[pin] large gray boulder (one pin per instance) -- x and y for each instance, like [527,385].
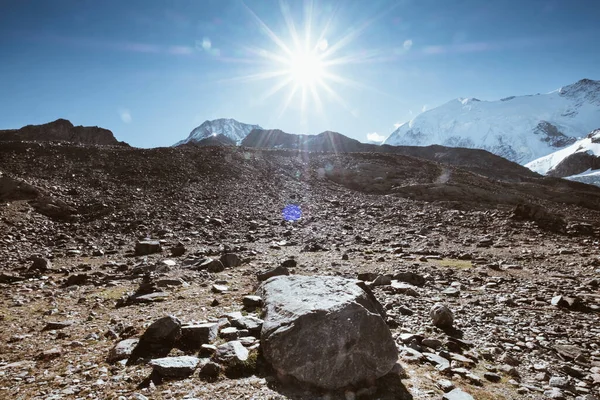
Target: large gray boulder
[325,331]
[158,340]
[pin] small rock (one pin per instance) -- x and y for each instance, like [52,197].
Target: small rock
[194,336]
[508,359]
[231,352]
[432,343]
[50,354]
[178,250]
[230,260]
[40,264]
[441,316]
[445,384]
[280,270]
[559,382]
[410,277]
[146,247]
[230,333]
[211,265]
[492,377]
[210,371]
[252,301]
[122,350]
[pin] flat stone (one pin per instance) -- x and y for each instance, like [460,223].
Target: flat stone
[555,393]
[194,336]
[175,367]
[445,384]
[411,355]
[404,288]
[457,394]
[492,377]
[148,298]
[252,324]
[440,362]
[55,325]
[219,288]
[122,350]
[451,292]
[230,333]
[568,352]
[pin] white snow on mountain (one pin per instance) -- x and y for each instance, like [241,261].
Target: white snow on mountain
[519,128]
[591,177]
[223,126]
[589,145]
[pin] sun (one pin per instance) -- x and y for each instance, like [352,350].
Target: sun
[306,68]
[301,61]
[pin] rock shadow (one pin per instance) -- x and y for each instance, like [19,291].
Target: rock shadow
[388,387]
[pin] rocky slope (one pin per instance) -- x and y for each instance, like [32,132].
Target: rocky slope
[515,264]
[519,128]
[62,130]
[230,128]
[479,161]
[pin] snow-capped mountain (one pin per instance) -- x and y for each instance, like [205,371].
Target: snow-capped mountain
[579,161]
[228,127]
[519,128]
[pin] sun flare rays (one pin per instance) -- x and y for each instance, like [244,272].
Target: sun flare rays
[302,62]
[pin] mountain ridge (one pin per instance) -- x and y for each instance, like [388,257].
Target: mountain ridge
[62,130]
[519,128]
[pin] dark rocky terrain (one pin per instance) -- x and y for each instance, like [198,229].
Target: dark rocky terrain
[97,243]
[61,130]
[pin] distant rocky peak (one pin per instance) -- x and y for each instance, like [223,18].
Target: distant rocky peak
[587,88]
[228,127]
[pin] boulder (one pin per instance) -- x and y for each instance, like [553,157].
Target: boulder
[158,340]
[40,264]
[329,332]
[441,316]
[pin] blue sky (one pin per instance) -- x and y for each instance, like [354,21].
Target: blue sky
[151,71]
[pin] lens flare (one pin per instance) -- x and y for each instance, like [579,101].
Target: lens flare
[291,212]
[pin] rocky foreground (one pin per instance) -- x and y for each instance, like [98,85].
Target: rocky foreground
[132,274]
